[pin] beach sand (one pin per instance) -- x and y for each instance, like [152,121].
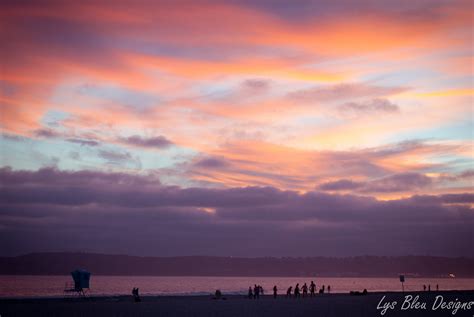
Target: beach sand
[321,305]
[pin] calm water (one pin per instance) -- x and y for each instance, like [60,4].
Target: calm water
[176,285]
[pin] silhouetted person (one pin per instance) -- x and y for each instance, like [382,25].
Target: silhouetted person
[329,289]
[218,294]
[256,291]
[305,289]
[312,288]
[136,295]
[424,287]
[429,287]
[250,292]
[261,289]
[275,291]
[365,291]
[297,290]
[288,291]
[437,287]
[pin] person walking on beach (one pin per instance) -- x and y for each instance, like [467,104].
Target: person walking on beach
[275,291]
[424,288]
[437,287]
[305,289]
[429,287]
[261,289]
[250,294]
[256,292]
[329,289]
[312,288]
[288,291]
[297,290]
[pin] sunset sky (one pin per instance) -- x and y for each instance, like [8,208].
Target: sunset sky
[244,128]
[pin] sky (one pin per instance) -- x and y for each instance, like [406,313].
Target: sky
[237,128]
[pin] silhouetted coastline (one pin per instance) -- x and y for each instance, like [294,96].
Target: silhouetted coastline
[363,266]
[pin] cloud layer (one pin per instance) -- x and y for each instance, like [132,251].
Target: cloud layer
[111,212]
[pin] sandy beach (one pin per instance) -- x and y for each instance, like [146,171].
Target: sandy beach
[321,305]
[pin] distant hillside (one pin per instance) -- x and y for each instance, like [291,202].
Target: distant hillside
[363,266]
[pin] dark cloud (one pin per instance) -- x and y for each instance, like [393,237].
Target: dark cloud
[12,137]
[52,134]
[120,158]
[83,142]
[256,85]
[375,105]
[466,198]
[466,175]
[154,142]
[115,156]
[46,133]
[54,177]
[402,182]
[94,211]
[211,162]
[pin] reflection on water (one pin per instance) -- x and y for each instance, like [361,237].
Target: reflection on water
[186,285]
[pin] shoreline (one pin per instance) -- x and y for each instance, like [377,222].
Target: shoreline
[230,294]
[338,304]
[210,294]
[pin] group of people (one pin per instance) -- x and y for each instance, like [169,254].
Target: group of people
[429,287]
[257,290]
[304,290]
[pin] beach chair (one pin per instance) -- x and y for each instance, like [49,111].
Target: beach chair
[80,285]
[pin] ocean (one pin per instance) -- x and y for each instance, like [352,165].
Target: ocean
[52,286]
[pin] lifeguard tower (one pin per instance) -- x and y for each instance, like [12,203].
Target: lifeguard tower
[80,286]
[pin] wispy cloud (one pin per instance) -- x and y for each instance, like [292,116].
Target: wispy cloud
[151,142]
[83,142]
[343,92]
[378,105]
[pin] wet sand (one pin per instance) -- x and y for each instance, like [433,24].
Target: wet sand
[320,305]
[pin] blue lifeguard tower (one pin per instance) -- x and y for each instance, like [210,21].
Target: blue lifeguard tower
[81,280]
